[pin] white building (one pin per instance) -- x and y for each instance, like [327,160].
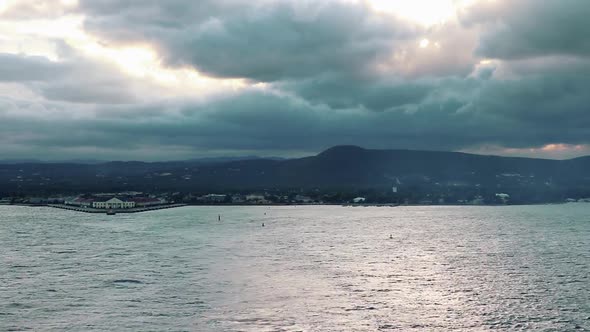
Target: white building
[213,198]
[303,199]
[255,197]
[113,203]
[359,200]
[503,197]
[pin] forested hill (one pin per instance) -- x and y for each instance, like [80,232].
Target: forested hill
[338,168]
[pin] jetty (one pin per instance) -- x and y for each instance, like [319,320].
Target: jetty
[371,205]
[117,211]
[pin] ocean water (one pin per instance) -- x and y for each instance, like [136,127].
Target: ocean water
[315,268]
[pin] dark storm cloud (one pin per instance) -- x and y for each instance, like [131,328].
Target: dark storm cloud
[341,91]
[336,73]
[556,108]
[528,28]
[450,113]
[264,41]
[106,92]
[459,113]
[253,120]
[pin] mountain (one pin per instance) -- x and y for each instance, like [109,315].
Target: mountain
[338,168]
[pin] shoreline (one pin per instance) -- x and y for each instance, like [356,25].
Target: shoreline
[172,206]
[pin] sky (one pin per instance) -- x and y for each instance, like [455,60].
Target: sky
[180,79]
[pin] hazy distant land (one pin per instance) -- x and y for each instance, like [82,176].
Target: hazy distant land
[335,176]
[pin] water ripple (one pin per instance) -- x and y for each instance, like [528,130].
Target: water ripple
[309,269]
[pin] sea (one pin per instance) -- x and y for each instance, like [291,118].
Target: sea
[297,268]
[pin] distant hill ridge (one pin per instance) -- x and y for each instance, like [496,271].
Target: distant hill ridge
[334,168]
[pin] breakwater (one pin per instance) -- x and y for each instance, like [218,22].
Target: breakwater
[131,210]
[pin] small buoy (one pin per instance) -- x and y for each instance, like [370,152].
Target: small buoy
[391,236]
[262,224]
[218,217]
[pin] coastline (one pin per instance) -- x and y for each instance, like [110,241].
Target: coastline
[172,206]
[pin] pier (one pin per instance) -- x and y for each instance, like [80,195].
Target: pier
[104,211]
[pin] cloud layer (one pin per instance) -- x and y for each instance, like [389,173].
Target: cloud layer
[286,77]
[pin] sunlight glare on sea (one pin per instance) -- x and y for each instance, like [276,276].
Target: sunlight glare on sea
[315,268]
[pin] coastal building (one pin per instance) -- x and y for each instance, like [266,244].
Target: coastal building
[238,199]
[212,198]
[301,199]
[504,198]
[112,203]
[359,200]
[102,201]
[255,197]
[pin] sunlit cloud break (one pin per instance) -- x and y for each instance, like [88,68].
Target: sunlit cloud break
[290,77]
